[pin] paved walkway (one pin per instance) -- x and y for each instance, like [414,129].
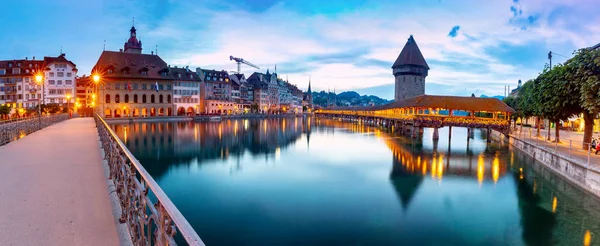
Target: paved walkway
[53,190]
[570,144]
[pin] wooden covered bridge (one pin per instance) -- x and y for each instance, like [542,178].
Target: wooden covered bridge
[431,111]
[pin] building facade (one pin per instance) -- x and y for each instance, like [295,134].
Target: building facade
[186,91]
[18,88]
[59,80]
[217,93]
[133,84]
[410,70]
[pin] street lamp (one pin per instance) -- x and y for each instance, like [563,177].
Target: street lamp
[69,104]
[96,79]
[39,79]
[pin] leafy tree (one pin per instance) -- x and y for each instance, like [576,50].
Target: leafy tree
[4,110]
[512,102]
[584,70]
[558,99]
[527,101]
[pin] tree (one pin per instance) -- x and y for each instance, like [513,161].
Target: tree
[513,103]
[527,102]
[584,70]
[4,110]
[558,99]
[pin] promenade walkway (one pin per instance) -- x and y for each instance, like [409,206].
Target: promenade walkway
[53,190]
[570,145]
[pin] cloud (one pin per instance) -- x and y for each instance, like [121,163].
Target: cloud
[350,46]
[454,32]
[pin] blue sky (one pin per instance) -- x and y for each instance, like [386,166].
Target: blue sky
[471,46]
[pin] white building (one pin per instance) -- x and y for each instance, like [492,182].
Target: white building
[59,80]
[186,91]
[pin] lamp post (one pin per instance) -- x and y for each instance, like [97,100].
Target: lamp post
[39,77]
[96,79]
[69,104]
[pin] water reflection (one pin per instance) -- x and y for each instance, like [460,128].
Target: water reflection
[450,191]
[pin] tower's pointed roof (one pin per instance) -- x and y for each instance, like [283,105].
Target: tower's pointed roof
[410,55]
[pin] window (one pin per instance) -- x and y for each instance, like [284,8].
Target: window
[160,87]
[2,71]
[51,74]
[143,86]
[135,98]
[144,98]
[51,82]
[135,86]
[117,98]
[144,72]
[168,86]
[59,82]
[68,82]
[126,98]
[69,74]
[60,74]
[30,65]
[110,71]
[152,98]
[160,99]
[168,98]
[18,64]
[20,97]
[9,64]
[117,86]
[16,70]
[19,88]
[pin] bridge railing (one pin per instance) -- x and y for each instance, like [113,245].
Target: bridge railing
[13,130]
[149,222]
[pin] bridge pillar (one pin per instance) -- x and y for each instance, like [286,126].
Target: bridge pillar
[489,135]
[436,134]
[449,132]
[420,130]
[413,132]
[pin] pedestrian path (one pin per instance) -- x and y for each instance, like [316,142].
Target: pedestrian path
[570,145]
[53,190]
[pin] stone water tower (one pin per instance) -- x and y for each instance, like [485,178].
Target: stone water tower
[410,70]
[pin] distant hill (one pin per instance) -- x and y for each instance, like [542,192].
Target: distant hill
[347,98]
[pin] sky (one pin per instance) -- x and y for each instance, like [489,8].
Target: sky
[471,46]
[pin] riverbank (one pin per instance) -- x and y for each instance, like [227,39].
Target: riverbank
[200,118]
[560,160]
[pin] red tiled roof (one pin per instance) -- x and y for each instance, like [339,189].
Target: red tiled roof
[61,58]
[410,55]
[444,102]
[24,67]
[135,63]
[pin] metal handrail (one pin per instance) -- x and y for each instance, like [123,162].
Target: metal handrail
[11,131]
[124,168]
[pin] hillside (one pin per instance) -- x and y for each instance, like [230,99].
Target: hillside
[347,98]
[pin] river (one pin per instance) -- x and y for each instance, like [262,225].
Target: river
[314,181]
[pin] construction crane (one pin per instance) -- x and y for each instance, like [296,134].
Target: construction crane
[240,61]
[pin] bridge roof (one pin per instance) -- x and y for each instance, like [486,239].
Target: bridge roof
[445,102]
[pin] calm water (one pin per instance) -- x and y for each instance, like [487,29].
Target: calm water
[324,182]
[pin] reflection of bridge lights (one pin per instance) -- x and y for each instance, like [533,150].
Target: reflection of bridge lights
[587,238]
[424,167]
[495,169]
[440,167]
[246,124]
[554,204]
[277,153]
[433,167]
[480,169]
[520,173]
[125,132]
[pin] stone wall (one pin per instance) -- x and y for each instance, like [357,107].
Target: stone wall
[408,86]
[587,178]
